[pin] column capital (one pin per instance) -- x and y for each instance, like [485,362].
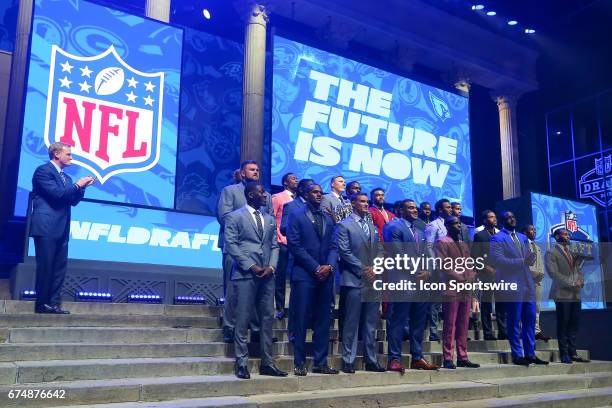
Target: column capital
[459,77]
[338,33]
[505,100]
[254,11]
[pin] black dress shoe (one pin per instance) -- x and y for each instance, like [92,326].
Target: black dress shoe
[348,368]
[228,334]
[271,370]
[300,371]
[467,364]
[45,309]
[490,337]
[59,310]
[280,314]
[448,364]
[522,361]
[242,372]
[375,367]
[255,337]
[536,360]
[579,359]
[502,337]
[325,369]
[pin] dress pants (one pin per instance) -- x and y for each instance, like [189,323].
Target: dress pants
[253,296]
[538,299]
[486,312]
[414,315]
[280,278]
[358,317]
[433,317]
[311,301]
[456,320]
[229,312]
[568,319]
[51,265]
[520,325]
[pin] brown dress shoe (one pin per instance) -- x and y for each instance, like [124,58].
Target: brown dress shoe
[422,364]
[395,365]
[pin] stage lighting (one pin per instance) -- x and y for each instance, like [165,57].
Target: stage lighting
[558,132]
[477,6]
[28,295]
[220,301]
[529,31]
[93,297]
[206,14]
[491,13]
[138,298]
[189,300]
[512,22]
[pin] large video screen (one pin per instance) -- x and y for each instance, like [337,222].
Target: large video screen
[111,232]
[335,116]
[550,213]
[107,83]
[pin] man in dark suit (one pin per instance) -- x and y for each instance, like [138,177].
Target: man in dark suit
[402,237]
[457,211]
[250,239]
[309,236]
[357,242]
[511,256]
[53,192]
[232,198]
[565,271]
[481,249]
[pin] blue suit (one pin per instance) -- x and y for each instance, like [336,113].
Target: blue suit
[52,198]
[399,239]
[310,297]
[519,305]
[357,250]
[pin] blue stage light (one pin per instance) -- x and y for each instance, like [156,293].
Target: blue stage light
[138,298]
[93,297]
[206,14]
[478,7]
[189,300]
[28,295]
[491,13]
[529,31]
[512,22]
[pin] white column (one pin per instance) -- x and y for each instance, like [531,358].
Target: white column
[509,146]
[158,10]
[251,140]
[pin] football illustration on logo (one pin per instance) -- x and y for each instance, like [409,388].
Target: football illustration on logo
[109,80]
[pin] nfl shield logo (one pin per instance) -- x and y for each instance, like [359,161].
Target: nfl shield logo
[571,221]
[109,112]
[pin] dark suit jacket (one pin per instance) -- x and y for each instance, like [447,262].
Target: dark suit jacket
[288,208]
[51,201]
[309,249]
[399,240]
[246,246]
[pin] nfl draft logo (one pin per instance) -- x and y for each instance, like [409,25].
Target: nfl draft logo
[109,112]
[594,183]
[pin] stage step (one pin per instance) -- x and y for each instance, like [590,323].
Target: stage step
[111,320]
[387,390]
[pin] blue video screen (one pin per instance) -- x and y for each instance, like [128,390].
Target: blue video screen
[111,232]
[107,83]
[335,116]
[550,213]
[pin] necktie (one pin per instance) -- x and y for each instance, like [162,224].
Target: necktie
[63,177]
[568,255]
[318,217]
[259,223]
[365,227]
[414,235]
[517,243]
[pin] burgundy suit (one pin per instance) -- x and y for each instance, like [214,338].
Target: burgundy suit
[457,305]
[379,219]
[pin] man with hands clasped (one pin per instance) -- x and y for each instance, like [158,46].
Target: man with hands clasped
[309,236]
[250,239]
[53,193]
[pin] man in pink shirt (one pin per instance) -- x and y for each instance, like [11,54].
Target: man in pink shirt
[290,182]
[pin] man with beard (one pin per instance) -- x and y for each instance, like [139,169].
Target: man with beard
[309,236]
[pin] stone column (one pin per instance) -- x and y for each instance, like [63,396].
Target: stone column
[508,135]
[10,140]
[251,133]
[158,9]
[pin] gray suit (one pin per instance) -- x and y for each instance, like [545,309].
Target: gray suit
[537,272]
[330,202]
[563,275]
[232,198]
[247,247]
[356,251]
